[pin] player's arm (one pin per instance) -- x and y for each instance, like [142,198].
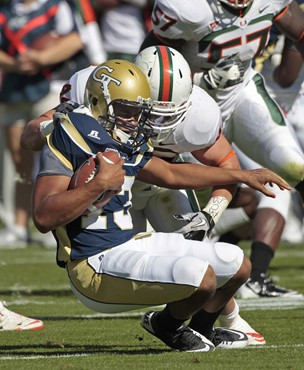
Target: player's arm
[221,155]
[54,205]
[196,176]
[35,131]
[65,48]
[291,23]
[287,71]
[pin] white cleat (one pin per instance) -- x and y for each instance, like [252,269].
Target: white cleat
[254,338]
[10,320]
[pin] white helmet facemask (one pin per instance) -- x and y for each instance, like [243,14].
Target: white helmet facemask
[236,4]
[170,83]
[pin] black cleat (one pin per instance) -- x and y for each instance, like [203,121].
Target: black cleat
[182,339]
[265,289]
[228,338]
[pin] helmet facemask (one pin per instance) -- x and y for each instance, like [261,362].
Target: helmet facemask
[237,4]
[165,117]
[127,122]
[170,81]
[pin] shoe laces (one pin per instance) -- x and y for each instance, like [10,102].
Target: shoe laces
[187,338]
[219,336]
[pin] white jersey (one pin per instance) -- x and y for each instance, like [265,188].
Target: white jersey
[199,129]
[213,33]
[123,29]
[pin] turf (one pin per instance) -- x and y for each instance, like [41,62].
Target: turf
[76,338]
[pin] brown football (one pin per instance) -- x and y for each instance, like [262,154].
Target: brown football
[86,173]
[45,41]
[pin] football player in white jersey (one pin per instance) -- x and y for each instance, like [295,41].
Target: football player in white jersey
[127,269]
[181,126]
[289,75]
[220,38]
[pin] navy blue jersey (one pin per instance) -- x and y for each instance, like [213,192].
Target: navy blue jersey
[74,140]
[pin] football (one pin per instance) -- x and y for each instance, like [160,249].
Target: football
[86,173]
[45,41]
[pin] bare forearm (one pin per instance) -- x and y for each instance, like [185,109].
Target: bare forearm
[33,136]
[63,50]
[291,24]
[190,176]
[61,208]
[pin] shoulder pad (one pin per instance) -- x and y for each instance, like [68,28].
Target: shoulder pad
[202,124]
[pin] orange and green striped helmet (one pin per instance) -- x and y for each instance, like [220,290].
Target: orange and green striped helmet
[170,83]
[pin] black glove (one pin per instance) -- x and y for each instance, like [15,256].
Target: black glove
[199,225]
[67,107]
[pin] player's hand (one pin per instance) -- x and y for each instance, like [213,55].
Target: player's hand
[67,107]
[198,227]
[111,176]
[227,72]
[62,109]
[258,178]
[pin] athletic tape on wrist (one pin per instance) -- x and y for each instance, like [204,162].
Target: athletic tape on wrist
[216,206]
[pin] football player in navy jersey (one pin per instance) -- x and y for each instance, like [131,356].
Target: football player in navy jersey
[110,269]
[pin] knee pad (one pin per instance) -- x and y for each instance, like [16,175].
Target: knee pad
[227,261]
[189,271]
[280,203]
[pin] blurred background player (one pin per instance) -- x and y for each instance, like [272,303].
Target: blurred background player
[90,32]
[212,38]
[124,25]
[29,86]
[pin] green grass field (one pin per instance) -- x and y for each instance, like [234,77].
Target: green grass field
[76,338]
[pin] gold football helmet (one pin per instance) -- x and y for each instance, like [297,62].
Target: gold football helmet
[118,94]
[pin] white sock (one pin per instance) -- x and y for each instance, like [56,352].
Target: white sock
[228,320]
[20,231]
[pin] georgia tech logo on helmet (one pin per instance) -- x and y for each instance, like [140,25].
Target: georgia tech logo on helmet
[104,78]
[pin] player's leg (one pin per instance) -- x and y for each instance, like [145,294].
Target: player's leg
[296,117]
[260,131]
[164,203]
[267,227]
[13,118]
[142,273]
[159,268]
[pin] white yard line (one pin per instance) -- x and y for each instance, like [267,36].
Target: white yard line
[37,357]
[245,304]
